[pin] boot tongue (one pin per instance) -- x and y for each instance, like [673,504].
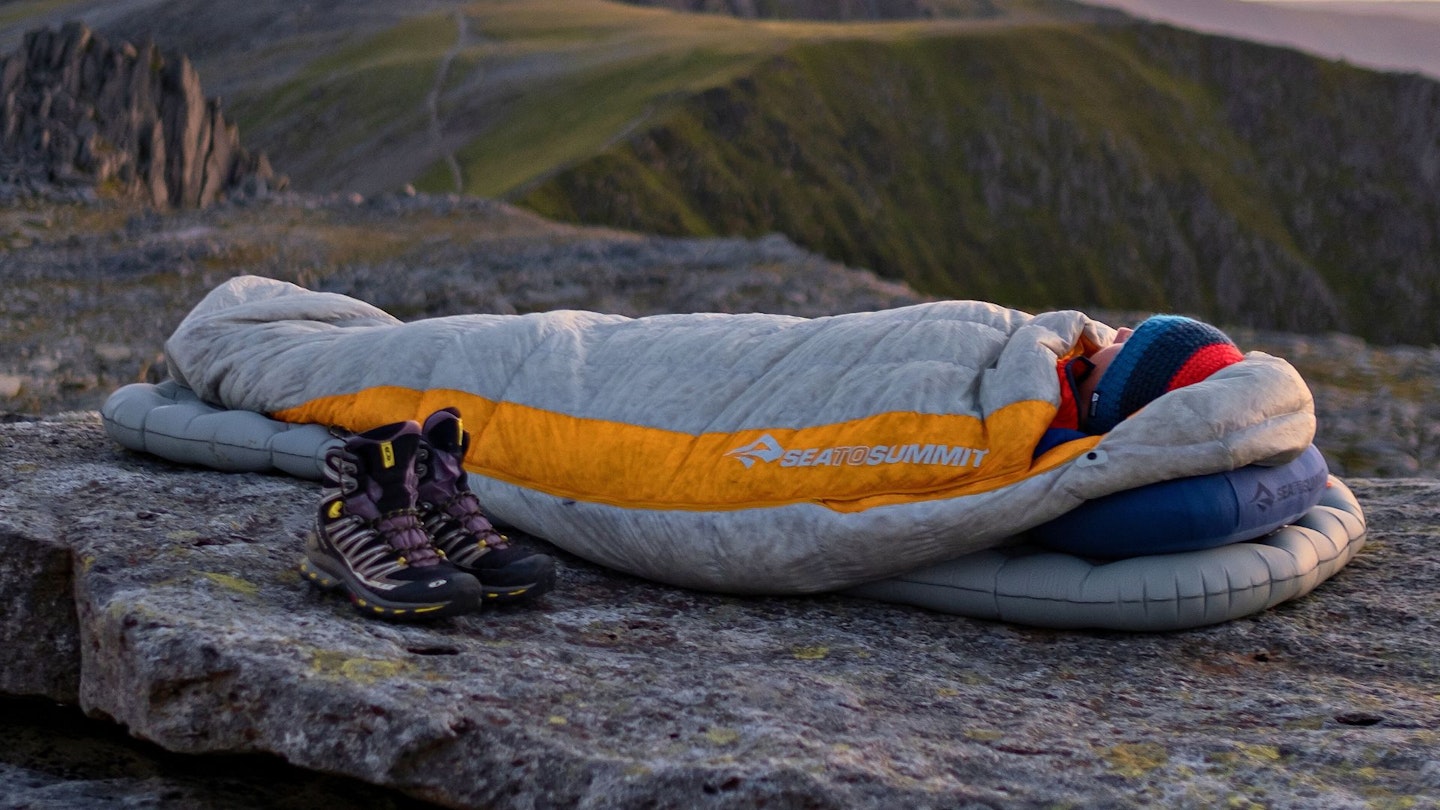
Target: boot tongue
[389,488]
[445,434]
[387,462]
[444,429]
[447,471]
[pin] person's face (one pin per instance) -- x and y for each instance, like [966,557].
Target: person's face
[1101,360]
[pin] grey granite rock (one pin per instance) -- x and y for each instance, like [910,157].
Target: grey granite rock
[196,633]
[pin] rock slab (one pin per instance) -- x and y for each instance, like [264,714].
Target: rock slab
[192,629]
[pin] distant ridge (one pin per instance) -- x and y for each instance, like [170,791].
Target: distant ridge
[1394,36]
[77,113]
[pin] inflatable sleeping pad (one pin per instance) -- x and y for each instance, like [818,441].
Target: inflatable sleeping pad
[1228,561]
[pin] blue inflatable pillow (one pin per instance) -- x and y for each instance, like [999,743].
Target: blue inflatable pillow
[1189,514]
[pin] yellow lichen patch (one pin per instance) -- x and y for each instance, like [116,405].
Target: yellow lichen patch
[983,734]
[1262,753]
[233,583]
[947,692]
[722,736]
[361,670]
[810,653]
[369,670]
[1386,802]
[1133,760]
[557,720]
[182,535]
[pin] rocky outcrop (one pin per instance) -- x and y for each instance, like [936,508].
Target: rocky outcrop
[131,122]
[192,629]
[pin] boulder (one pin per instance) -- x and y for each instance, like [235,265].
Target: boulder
[166,599]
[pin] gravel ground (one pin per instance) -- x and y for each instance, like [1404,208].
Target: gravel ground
[93,290]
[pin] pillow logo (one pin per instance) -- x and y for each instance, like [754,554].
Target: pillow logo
[1264,498]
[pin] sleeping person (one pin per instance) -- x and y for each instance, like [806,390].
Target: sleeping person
[399,530]
[1164,353]
[758,453]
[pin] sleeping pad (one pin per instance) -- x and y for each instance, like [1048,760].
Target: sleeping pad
[739,453]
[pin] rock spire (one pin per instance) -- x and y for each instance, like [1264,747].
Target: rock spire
[77,112]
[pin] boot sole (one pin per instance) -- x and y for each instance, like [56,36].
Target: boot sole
[514,591]
[327,575]
[518,593]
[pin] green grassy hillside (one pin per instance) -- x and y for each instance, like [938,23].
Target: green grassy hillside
[501,93]
[1119,167]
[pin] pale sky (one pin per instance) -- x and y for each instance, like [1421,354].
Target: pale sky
[1391,35]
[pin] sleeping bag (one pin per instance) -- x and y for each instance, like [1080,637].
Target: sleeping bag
[739,453]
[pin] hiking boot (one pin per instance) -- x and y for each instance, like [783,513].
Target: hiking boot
[369,540]
[459,529]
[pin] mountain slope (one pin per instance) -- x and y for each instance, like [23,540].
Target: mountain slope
[368,95]
[1126,167]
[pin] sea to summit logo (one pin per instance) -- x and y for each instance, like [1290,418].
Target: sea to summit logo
[1289,491]
[766,449]
[1263,498]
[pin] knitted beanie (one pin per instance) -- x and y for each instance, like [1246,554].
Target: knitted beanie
[1164,353]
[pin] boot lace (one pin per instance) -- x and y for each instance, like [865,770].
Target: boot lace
[404,533]
[464,508]
[402,536]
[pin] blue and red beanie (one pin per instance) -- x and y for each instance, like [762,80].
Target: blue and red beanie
[1164,353]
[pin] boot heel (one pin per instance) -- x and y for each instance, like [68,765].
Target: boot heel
[457,525]
[315,574]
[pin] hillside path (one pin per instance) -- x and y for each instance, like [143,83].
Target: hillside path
[432,99]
